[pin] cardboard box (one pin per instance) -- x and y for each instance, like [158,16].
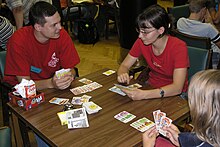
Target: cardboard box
[26,103]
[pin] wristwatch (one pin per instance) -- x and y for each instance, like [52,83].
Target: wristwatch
[161,92]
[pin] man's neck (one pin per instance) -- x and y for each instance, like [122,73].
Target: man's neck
[195,16]
[40,38]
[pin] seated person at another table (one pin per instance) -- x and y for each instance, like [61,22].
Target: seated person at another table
[194,26]
[6,30]
[214,11]
[166,56]
[204,102]
[36,52]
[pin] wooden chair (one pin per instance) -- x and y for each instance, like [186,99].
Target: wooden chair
[178,12]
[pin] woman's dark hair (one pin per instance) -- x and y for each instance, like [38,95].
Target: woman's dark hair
[154,16]
[39,11]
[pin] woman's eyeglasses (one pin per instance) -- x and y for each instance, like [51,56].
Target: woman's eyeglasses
[144,32]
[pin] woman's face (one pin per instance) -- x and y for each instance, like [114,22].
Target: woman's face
[148,35]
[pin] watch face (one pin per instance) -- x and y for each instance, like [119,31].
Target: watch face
[161,92]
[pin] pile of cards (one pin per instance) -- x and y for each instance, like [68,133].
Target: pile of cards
[61,72]
[142,124]
[80,100]
[59,101]
[108,72]
[77,118]
[124,116]
[117,88]
[85,88]
[161,121]
[91,107]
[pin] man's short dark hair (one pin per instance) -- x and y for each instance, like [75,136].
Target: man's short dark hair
[39,11]
[196,5]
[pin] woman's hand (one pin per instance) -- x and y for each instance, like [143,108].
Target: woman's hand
[134,93]
[124,78]
[149,137]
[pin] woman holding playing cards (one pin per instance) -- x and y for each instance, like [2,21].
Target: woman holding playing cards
[204,104]
[166,56]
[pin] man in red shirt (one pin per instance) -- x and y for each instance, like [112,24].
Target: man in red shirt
[36,52]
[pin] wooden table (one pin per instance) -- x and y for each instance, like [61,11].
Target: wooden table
[104,129]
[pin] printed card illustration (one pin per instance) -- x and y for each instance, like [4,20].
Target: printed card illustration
[77,118]
[108,72]
[124,116]
[59,101]
[142,124]
[91,107]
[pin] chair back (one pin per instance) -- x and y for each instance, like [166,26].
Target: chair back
[2,62]
[199,60]
[5,137]
[178,12]
[195,41]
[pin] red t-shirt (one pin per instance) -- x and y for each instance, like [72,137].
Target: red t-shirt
[28,57]
[175,55]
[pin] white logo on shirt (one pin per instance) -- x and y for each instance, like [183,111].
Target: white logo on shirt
[53,61]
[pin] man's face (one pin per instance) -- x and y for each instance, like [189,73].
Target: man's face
[52,27]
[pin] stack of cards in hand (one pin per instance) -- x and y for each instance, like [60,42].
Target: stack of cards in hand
[161,121]
[62,72]
[85,88]
[117,88]
[91,107]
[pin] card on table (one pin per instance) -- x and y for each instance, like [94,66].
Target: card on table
[142,124]
[124,116]
[77,118]
[85,81]
[80,100]
[91,107]
[59,101]
[108,72]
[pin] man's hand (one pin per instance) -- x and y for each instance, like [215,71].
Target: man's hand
[64,81]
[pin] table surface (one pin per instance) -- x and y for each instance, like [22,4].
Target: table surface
[103,129]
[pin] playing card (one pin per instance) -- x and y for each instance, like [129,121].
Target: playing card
[122,86]
[85,81]
[80,100]
[77,118]
[124,116]
[165,121]
[91,107]
[155,115]
[136,85]
[109,72]
[117,90]
[61,72]
[142,124]
[59,101]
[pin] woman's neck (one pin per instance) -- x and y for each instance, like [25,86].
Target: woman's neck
[159,46]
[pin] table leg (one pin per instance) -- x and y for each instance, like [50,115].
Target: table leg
[24,133]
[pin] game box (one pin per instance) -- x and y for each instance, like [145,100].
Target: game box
[26,103]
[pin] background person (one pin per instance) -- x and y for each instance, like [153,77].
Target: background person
[204,102]
[166,56]
[194,26]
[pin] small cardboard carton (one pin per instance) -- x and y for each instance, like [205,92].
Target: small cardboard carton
[26,103]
